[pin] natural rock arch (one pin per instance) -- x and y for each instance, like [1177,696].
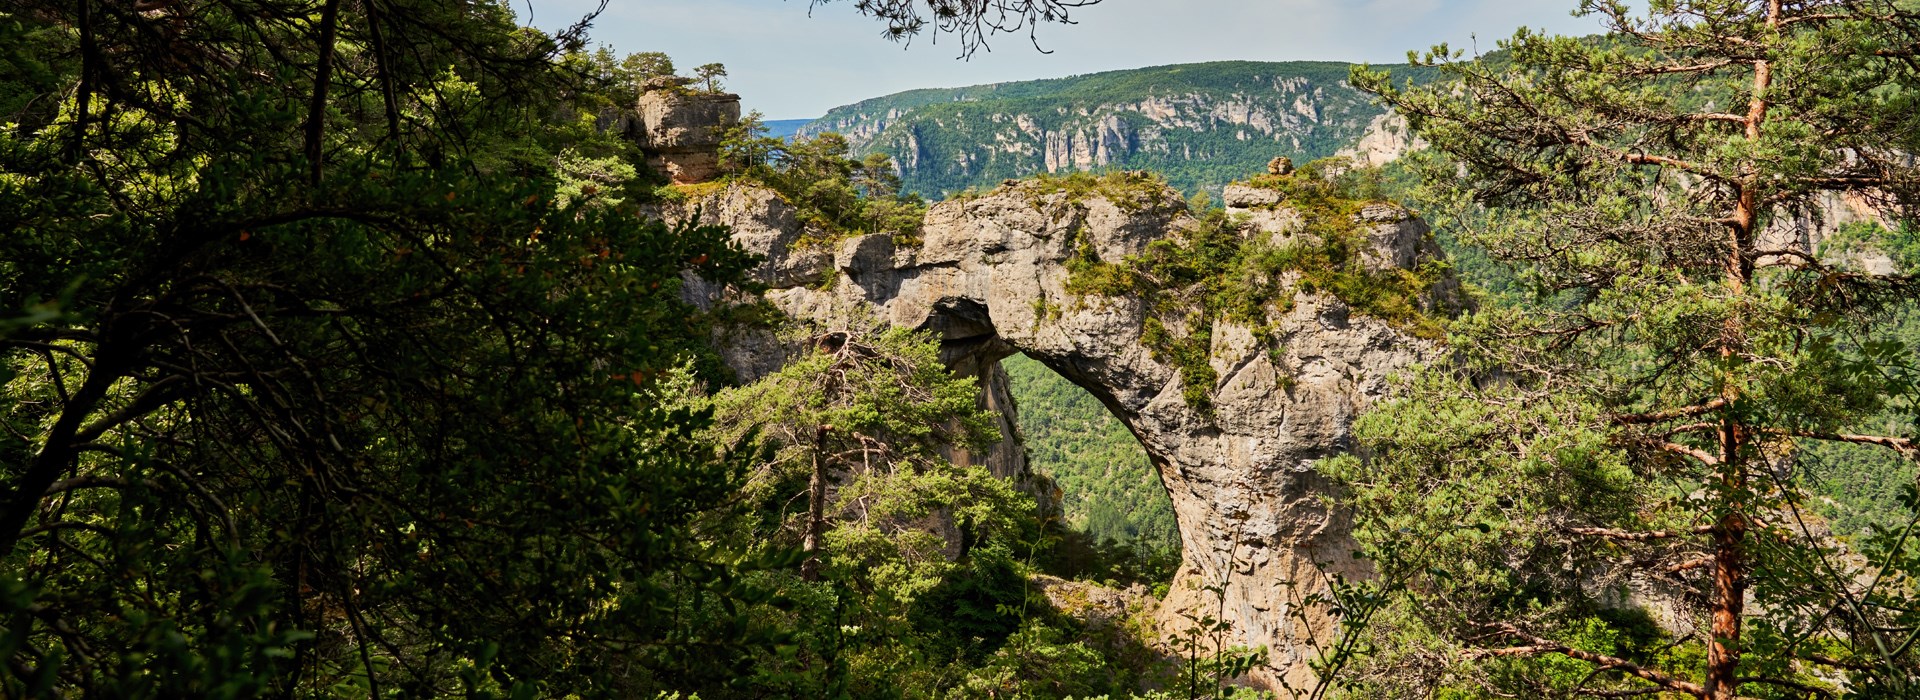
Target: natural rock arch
[989,276]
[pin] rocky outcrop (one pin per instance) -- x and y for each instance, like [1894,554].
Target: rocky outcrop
[1387,138]
[680,131]
[1198,123]
[1810,232]
[989,276]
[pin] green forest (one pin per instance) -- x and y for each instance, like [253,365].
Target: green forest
[1110,491]
[955,139]
[347,351]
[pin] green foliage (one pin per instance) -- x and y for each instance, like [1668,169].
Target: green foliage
[1121,518]
[950,135]
[842,196]
[339,361]
[1038,662]
[709,75]
[336,388]
[1900,245]
[857,428]
[925,588]
[972,614]
[864,416]
[621,78]
[1133,191]
[1859,488]
[1650,402]
[1214,270]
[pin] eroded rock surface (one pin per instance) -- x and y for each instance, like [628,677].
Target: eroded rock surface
[989,275]
[680,131]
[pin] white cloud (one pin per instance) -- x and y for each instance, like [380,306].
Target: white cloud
[790,65]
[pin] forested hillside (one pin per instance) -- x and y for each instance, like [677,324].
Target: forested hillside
[1200,125]
[1109,490]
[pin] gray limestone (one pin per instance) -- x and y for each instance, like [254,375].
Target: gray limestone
[989,276]
[680,131]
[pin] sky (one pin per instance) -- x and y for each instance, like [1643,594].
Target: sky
[790,60]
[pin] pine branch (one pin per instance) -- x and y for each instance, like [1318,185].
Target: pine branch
[1540,645]
[1685,451]
[1905,446]
[1670,414]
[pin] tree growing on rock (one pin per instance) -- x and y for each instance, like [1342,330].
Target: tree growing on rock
[1634,431]
[647,65]
[709,75]
[844,195]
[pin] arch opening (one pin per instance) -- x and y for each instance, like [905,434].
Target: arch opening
[1114,511]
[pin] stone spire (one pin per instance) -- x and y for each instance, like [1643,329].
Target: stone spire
[680,130]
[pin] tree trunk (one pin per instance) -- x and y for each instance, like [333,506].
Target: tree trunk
[1730,530]
[816,508]
[1729,602]
[323,77]
[58,449]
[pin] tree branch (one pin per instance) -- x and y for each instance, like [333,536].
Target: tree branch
[1540,645]
[317,108]
[1685,451]
[1904,446]
[1670,414]
[57,451]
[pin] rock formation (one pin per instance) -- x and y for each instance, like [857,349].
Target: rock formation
[1197,123]
[1387,139]
[989,276]
[680,131]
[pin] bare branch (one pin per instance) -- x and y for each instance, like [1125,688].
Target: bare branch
[1631,536]
[1676,448]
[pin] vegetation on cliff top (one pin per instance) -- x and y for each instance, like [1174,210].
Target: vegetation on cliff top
[1216,270]
[839,195]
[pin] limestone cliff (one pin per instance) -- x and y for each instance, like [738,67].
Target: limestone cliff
[989,276]
[1386,139]
[1200,125]
[680,131]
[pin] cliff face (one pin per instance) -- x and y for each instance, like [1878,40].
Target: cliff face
[680,132]
[1200,125]
[989,277]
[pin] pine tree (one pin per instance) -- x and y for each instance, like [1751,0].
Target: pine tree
[1636,426]
[866,416]
[709,75]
